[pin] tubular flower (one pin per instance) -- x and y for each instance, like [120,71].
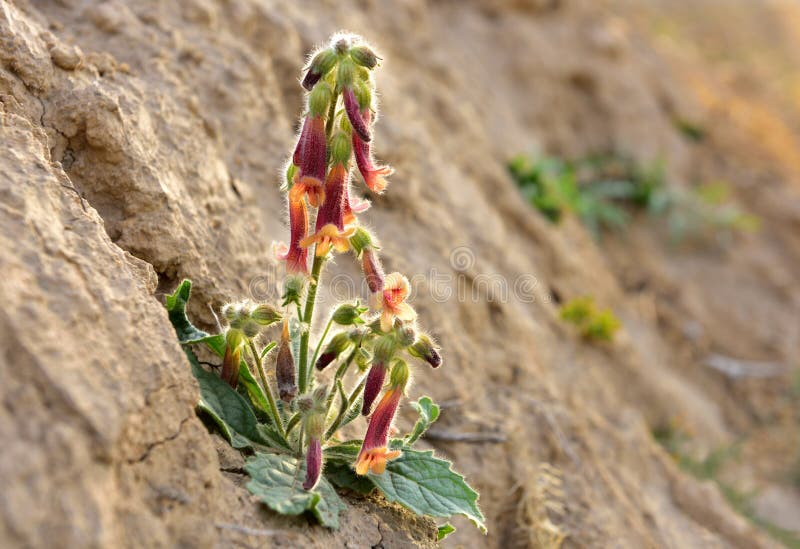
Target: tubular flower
[374,176]
[352,206]
[374,452]
[284,366]
[296,256]
[373,271]
[391,300]
[360,125]
[373,386]
[315,427]
[310,157]
[332,210]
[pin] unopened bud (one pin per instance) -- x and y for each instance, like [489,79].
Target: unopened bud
[341,149]
[335,347]
[320,65]
[360,240]
[384,348]
[284,367]
[363,358]
[304,403]
[406,335]
[265,314]
[426,349]
[348,314]
[313,463]
[373,271]
[319,99]
[345,74]
[364,56]
[400,374]
[230,364]
[315,425]
[320,396]
[363,94]
[293,289]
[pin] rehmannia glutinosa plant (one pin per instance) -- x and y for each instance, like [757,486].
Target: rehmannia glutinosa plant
[289,422]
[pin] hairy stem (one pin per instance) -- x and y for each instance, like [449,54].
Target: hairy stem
[307,318]
[276,416]
[320,343]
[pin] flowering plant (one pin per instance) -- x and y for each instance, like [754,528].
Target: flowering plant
[296,451]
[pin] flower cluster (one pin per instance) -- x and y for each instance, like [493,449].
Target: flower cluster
[379,339]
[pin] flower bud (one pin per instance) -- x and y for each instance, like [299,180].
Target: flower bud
[373,385]
[427,350]
[304,403]
[363,94]
[384,348]
[320,65]
[364,56]
[335,347]
[406,335]
[320,396]
[400,374]
[293,289]
[341,148]
[250,328]
[284,366]
[313,463]
[265,314]
[234,339]
[348,314]
[373,271]
[351,107]
[360,240]
[315,424]
[320,99]
[363,358]
[345,74]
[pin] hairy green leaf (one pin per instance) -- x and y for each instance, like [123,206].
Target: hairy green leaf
[342,475]
[176,309]
[427,485]
[278,481]
[444,530]
[428,413]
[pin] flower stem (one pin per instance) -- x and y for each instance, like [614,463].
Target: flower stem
[307,317]
[276,417]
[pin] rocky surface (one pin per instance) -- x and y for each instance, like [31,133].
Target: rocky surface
[142,143]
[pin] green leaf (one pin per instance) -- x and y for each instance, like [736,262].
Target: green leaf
[444,530]
[428,413]
[278,481]
[345,451]
[342,475]
[176,309]
[427,485]
[228,407]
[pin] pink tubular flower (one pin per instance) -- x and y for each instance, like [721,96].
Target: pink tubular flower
[310,156]
[391,300]
[332,210]
[373,386]
[295,255]
[374,176]
[374,452]
[313,463]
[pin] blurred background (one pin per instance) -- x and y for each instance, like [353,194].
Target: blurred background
[610,189]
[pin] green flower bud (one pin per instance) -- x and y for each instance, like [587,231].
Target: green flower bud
[319,99]
[363,94]
[320,65]
[265,314]
[384,348]
[304,403]
[406,335]
[250,328]
[360,240]
[342,46]
[291,171]
[345,74]
[364,56]
[335,347]
[234,338]
[363,358]
[400,374]
[293,289]
[427,350]
[320,397]
[315,425]
[341,149]
[347,314]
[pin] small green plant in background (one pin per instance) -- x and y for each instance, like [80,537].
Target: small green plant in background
[279,408]
[594,324]
[602,190]
[675,439]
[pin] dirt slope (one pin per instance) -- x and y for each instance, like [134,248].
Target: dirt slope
[172,121]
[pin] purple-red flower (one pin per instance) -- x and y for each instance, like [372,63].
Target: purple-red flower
[374,451]
[313,463]
[351,107]
[373,385]
[310,157]
[374,176]
[296,256]
[373,271]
